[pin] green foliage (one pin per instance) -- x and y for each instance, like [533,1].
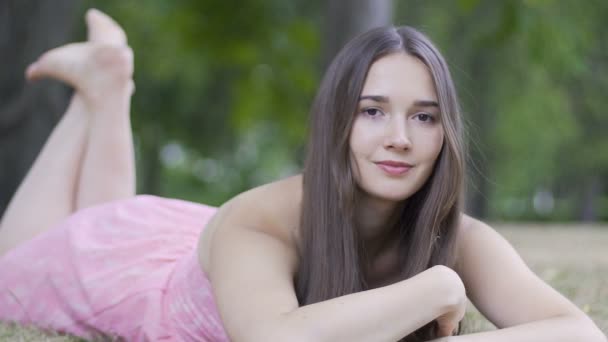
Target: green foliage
[213,76]
[223,90]
[533,75]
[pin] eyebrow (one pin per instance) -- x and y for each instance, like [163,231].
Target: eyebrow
[418,103]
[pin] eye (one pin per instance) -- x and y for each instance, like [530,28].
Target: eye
[424,117]
[373,112]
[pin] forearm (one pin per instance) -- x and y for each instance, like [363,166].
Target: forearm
[384,314]
[564,328]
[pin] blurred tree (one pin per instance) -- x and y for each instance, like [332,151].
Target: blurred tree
[223,89]
[345,19]
[241,74]
[28,112]
[218,82]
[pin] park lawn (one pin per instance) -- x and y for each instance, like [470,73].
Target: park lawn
[572,259]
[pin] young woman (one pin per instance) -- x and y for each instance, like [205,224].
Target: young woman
[368,244]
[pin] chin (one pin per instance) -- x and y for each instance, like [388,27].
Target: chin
[389,194]
[387,189]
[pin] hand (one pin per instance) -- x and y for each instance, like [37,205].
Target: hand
[447,323]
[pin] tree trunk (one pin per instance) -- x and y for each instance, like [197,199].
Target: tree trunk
[347,18]
[591,196]
[478,186]
[28,112]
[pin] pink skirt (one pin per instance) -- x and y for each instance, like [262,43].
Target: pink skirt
[126,269]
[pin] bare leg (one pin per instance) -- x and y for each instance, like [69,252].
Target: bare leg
[108,169]
[46,195]
[88,158]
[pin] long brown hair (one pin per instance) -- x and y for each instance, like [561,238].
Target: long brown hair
[331,253]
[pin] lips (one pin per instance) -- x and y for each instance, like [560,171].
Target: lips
[394,168]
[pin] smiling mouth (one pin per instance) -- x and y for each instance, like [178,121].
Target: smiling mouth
[394,168]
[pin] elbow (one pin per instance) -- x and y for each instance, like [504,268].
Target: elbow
[274,337]
[295,333]
[294,337]
[294,327]
[590,331]
[279,333]
[598,335]
[289,326]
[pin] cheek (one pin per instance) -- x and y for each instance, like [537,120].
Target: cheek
[365,137]
[438,144]
[359,145]
[357,139]
[433,144]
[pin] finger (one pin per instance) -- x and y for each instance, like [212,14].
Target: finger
[103,29]
[445,330]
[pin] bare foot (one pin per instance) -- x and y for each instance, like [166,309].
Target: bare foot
[103,29]
[98,68]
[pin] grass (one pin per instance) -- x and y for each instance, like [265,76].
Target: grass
[572,259]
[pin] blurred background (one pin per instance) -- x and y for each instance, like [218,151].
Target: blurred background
[224,87]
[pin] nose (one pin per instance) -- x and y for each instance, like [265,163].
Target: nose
[397,135]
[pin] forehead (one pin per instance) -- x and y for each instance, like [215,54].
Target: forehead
[400,77]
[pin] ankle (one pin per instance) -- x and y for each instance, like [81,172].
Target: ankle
[110,71]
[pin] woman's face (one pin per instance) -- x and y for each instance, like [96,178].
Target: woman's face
[397,133]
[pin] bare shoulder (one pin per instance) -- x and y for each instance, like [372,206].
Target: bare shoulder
[470,224]
[272,209]
[480,249]
[475,237]
[249,254]
[471,232]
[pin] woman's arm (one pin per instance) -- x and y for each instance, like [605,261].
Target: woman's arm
[252,276]
[384,314]
[557,329]
[511,296]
